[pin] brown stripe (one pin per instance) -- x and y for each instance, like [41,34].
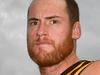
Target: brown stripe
[77,67]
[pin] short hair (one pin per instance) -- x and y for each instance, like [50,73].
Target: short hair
[73,10]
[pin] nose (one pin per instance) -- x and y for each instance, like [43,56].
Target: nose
[42,30]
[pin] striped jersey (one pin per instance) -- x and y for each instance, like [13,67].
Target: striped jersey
[77,68]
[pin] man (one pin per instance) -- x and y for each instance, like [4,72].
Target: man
[52,31]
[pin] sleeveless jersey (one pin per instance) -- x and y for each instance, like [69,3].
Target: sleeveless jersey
[77,68]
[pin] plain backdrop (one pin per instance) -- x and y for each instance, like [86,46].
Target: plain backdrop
[14,59]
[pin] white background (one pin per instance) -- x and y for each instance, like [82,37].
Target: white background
[14,59]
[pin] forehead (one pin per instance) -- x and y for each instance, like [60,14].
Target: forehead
[48,2]
[47,5]
[46,8]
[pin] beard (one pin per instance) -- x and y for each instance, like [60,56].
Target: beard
[44,59]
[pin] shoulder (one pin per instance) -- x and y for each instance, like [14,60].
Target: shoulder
[92,69]
[96,65]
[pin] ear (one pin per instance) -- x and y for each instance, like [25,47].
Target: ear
[76,32]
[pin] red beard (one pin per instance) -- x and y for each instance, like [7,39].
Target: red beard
[44,58]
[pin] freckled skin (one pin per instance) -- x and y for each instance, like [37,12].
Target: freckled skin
[50,36]
[51,39]
[58,35]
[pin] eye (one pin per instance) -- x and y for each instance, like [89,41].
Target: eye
[34,23]
[54,22]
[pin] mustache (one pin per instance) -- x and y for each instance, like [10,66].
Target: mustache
[43,41]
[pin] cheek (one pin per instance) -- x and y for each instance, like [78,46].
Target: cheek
[31,35]
[58,35]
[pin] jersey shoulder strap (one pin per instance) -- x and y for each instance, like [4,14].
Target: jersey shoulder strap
[77,68]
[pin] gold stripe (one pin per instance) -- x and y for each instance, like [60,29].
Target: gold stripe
[77,73]
[75,68]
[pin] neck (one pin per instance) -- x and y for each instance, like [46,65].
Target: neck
[59,68]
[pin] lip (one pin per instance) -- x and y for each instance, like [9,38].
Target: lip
[41,43]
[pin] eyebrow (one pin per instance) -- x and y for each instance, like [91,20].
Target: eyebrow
[30,19]
[50,17]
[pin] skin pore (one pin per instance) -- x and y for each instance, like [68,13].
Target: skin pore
[50,36]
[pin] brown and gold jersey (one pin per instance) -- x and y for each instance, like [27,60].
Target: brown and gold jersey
[77,68]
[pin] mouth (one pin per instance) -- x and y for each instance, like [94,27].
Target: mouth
[42,43]
[43,46]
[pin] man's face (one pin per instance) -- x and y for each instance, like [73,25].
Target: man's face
[49,34]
